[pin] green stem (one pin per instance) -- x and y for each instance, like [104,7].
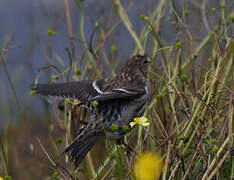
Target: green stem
[105,163]
[127,23]
[198,50]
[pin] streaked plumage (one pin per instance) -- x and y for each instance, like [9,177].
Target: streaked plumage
[120,100]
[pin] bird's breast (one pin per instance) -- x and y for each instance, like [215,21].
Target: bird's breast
[118,114]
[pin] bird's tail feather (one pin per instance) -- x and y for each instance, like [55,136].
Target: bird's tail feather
[80,147]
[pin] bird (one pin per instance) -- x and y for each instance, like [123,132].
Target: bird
[112,102]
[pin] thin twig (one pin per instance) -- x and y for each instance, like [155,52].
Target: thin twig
[191,161]
[155,140]
[91,42]
[219,165]
[69,24]
[70,65]
[55,164]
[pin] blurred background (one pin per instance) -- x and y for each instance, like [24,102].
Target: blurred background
[35,34]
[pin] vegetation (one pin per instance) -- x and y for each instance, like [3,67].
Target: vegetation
[191,115]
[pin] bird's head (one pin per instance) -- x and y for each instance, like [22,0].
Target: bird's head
[136,66]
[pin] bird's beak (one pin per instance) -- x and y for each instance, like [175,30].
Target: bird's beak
[148,59]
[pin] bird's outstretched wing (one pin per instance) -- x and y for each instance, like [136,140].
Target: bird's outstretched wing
[84,90]
[88,91]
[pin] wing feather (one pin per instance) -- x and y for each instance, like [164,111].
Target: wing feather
[119,93]
[81,90]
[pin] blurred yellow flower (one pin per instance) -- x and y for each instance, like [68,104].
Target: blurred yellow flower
[139,120]
[148,166]
[1,178]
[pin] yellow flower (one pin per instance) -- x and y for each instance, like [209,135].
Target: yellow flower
[139,120]
[1,178]
[148,166]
